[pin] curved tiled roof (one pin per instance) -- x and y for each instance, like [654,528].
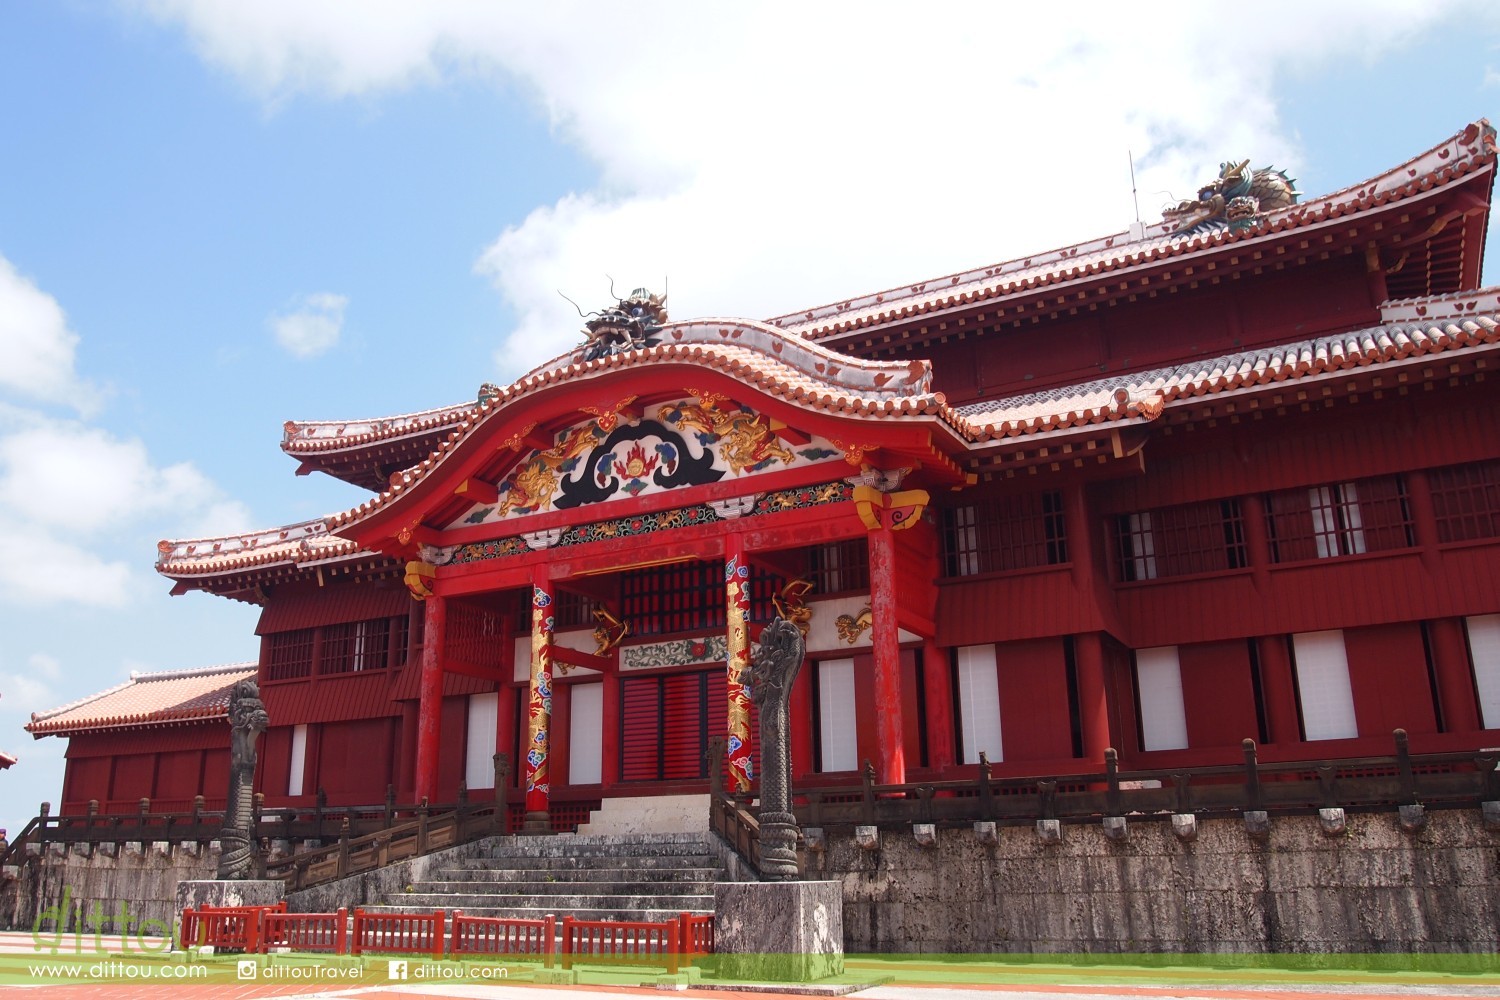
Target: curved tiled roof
[309,437]
[156,699]
[803,374]
[6,760]
[1461,154]
[306,543]
[1143,394]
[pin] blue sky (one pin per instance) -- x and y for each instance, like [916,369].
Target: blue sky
[217,217]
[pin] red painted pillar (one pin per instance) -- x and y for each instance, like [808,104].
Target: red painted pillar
[885,638]
[1093,703]
[539,704]
[1278,689]
[1455,676]
[407,778]
[430,706]
[939,692]
[610,737]
[739,741]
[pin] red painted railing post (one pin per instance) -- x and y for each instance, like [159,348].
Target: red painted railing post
[673,946]
[455,946]
[549,941]
[567,943]
[341,933]
[438,933]
[356,945]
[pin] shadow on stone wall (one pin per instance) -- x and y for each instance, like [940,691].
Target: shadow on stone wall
[1204,887]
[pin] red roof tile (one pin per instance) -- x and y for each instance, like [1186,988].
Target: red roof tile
[6,760]
[158,699]
[1461,154]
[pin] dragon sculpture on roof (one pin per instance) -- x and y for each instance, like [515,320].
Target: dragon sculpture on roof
[630,323]
[1238,198]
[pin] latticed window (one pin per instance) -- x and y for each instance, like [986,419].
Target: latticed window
[1466,501]
[1005,533]
[1339,519]
[289,654]
[352,646]
[570,610]
[839,567]
[1207,537]
[684,597]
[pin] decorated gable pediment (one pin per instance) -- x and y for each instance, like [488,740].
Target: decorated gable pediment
[694,441]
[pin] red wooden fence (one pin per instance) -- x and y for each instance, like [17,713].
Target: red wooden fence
[669,943]
[620,941]
[405,933]
[306,931]
[224,927]
[503,936]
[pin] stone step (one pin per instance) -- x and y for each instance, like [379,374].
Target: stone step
[561,902]
[540,912]
[543,888]
[670,862]
[659,845]
[558,874]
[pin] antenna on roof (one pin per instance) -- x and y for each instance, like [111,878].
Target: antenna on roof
[1138,230]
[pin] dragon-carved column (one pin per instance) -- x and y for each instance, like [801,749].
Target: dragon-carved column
[248,719]
[772,676]
[539,704]
[737,596]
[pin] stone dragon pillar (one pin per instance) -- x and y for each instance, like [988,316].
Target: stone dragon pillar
[248,719]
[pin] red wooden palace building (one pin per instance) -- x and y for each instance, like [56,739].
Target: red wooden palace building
[1234,474]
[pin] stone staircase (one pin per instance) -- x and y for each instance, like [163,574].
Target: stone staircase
[611,877]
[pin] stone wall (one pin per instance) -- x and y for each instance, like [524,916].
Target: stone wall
[67,884]
[1371,888]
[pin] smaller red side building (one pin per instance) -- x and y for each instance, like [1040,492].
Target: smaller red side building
[158,736]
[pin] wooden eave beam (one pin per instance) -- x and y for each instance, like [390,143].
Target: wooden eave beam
[477,491]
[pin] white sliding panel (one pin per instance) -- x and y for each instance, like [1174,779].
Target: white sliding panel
[1158,675]
[586,735]
[1323,681]
[479,751]
[1484,648]
[979,704]
[837,739]
[296,777]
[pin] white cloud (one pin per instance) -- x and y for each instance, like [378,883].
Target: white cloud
[80,506]
[30,690]
[772,157]
[313,327]
[37,345]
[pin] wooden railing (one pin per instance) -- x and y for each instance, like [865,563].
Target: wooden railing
[731,816]
[1436,781]
[672,943]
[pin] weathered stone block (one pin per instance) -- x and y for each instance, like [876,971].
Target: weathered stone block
[1491,813]
[1332,822]
[1413,818]
[925,834]
[815,840]
[218,892]
[1049,831]
[1185,827]
[867,838]
[984,830]
[1116,828]
[785,931]
[1258,825]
